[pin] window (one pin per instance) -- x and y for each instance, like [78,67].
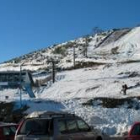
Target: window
[136,130]
[13,129]
[9,131]
[6,131]
[82,125]
[71,125]
[36,126]
[62,126]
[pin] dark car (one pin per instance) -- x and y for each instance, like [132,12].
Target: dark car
[134,133]
[7,131]
[55,126]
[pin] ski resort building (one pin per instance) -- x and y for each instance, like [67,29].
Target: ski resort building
[17,79]
[13,79]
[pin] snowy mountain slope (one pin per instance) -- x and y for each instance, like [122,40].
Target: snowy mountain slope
[63,53]
[125,48]
[116,54]
[114,45]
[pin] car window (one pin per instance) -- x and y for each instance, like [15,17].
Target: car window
[6,131]
[9,131]
[71,125]
[36,126]
[13,130]
[82,125]
[62,126]
[136,130]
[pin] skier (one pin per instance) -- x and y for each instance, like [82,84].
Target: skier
[124,88]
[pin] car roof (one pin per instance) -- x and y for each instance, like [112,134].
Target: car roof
[49,114]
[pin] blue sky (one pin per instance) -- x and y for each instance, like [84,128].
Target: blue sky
[29,25]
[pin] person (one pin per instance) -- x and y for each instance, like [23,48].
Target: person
[124,88]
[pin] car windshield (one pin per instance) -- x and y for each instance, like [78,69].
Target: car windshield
[35,126]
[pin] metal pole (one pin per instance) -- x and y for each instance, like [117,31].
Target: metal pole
[74,56]
[53,70]
[20,87]
[86,43]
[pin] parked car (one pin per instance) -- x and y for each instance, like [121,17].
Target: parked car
[55,126]
[134,133]
[7,131]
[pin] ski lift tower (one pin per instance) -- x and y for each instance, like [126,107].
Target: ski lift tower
[20,82]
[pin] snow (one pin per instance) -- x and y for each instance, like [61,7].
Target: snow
[128,47]
[75,87]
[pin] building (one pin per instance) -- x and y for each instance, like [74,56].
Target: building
[13,79]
